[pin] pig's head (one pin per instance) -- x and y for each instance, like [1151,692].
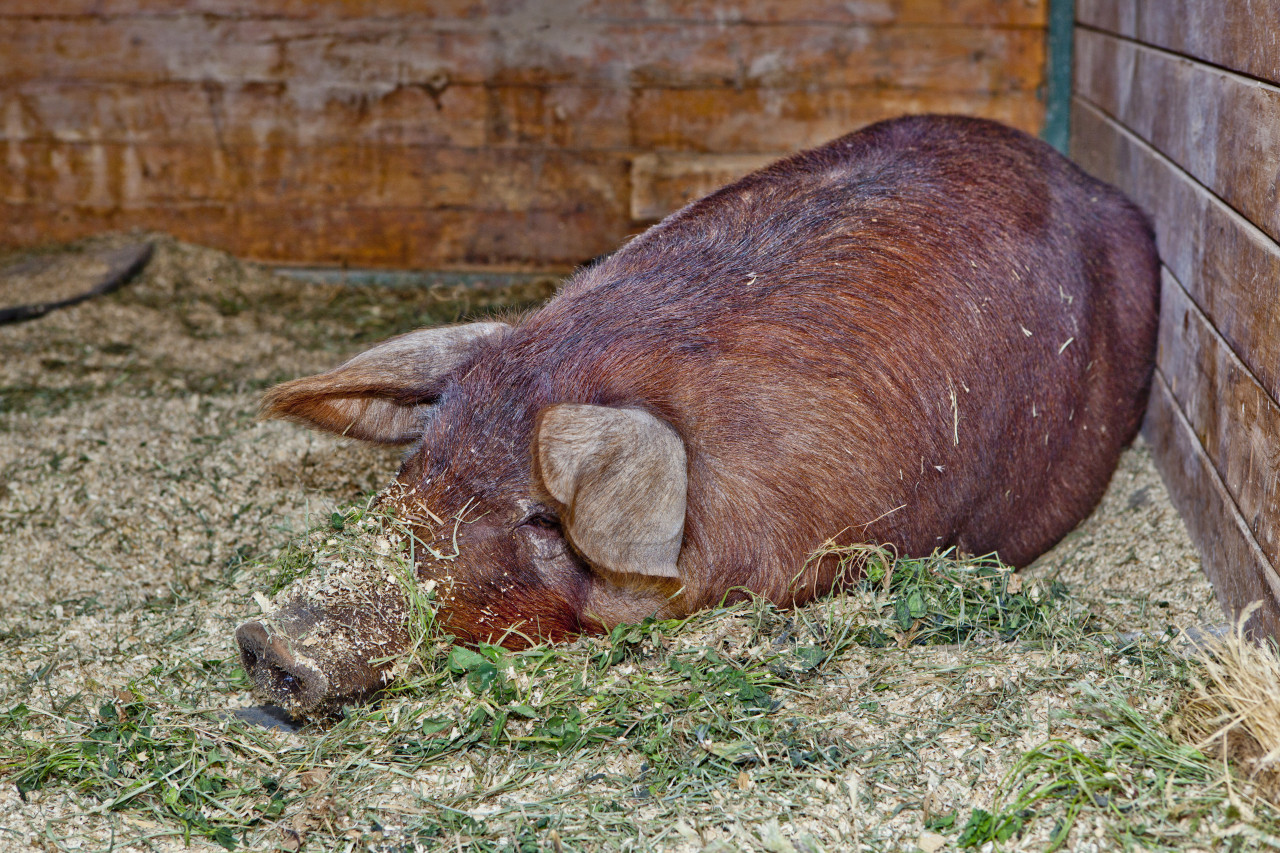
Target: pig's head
[533,515]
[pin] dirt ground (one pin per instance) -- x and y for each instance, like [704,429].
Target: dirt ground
[136,485]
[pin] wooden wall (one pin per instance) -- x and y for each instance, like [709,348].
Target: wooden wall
[1178,102]
[455,133]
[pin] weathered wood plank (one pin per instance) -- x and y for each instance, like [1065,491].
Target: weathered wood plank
[1233,417]
[248,114]
[1223,129]
[1236,566]
[311,55]
[1240,34]
[1229,266]
[745,120]
[472,116]
[322,9]
[581,117]
[1236,34]
[314,56]
[1025,13]
[1016,13]
[951,59]
[108,175]
[345,236]
[38,224]
[1113,16]
[661,183]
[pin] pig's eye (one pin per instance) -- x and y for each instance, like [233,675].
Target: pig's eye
[542,521]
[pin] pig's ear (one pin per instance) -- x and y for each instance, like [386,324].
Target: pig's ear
[619,477]
[381,394]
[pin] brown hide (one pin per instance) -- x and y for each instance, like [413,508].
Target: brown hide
[934,332]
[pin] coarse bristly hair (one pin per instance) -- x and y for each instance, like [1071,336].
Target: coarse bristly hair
[934,333]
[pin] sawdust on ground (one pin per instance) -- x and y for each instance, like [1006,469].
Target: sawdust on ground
[134,478]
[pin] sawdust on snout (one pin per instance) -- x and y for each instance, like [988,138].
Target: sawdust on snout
[135,482]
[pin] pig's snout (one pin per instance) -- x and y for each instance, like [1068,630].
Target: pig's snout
[277,672]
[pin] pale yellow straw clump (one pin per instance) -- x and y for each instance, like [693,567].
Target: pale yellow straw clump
[1234,711]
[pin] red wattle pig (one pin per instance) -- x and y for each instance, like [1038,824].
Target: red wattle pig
[933,332]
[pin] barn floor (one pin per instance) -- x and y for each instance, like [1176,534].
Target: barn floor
[138,493]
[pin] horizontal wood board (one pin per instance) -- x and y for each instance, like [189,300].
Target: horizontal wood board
[311,56]
[1242,35]
[1230,268]
[398,238]
[1221,128]
[1233,418]
[1025,13]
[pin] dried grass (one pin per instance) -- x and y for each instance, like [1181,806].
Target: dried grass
[1234,709]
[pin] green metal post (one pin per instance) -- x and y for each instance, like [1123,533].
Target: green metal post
[1057,114]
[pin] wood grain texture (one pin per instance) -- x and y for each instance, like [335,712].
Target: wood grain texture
[472,116]
[309,9]
[1228,266]
[1237,34]
[1236,566]
[404,238]
[475,115]
[580,117]
[1113,16]
[1234,419]
[250,114]
[747,120]
[664,182]
[133,176]
[1026,13]
[1222,129]
[314,56]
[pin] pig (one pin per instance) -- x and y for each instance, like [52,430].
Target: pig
[935,332]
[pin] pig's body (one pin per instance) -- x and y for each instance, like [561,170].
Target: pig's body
[934,332]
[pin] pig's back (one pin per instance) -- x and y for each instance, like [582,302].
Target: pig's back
[933,332]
